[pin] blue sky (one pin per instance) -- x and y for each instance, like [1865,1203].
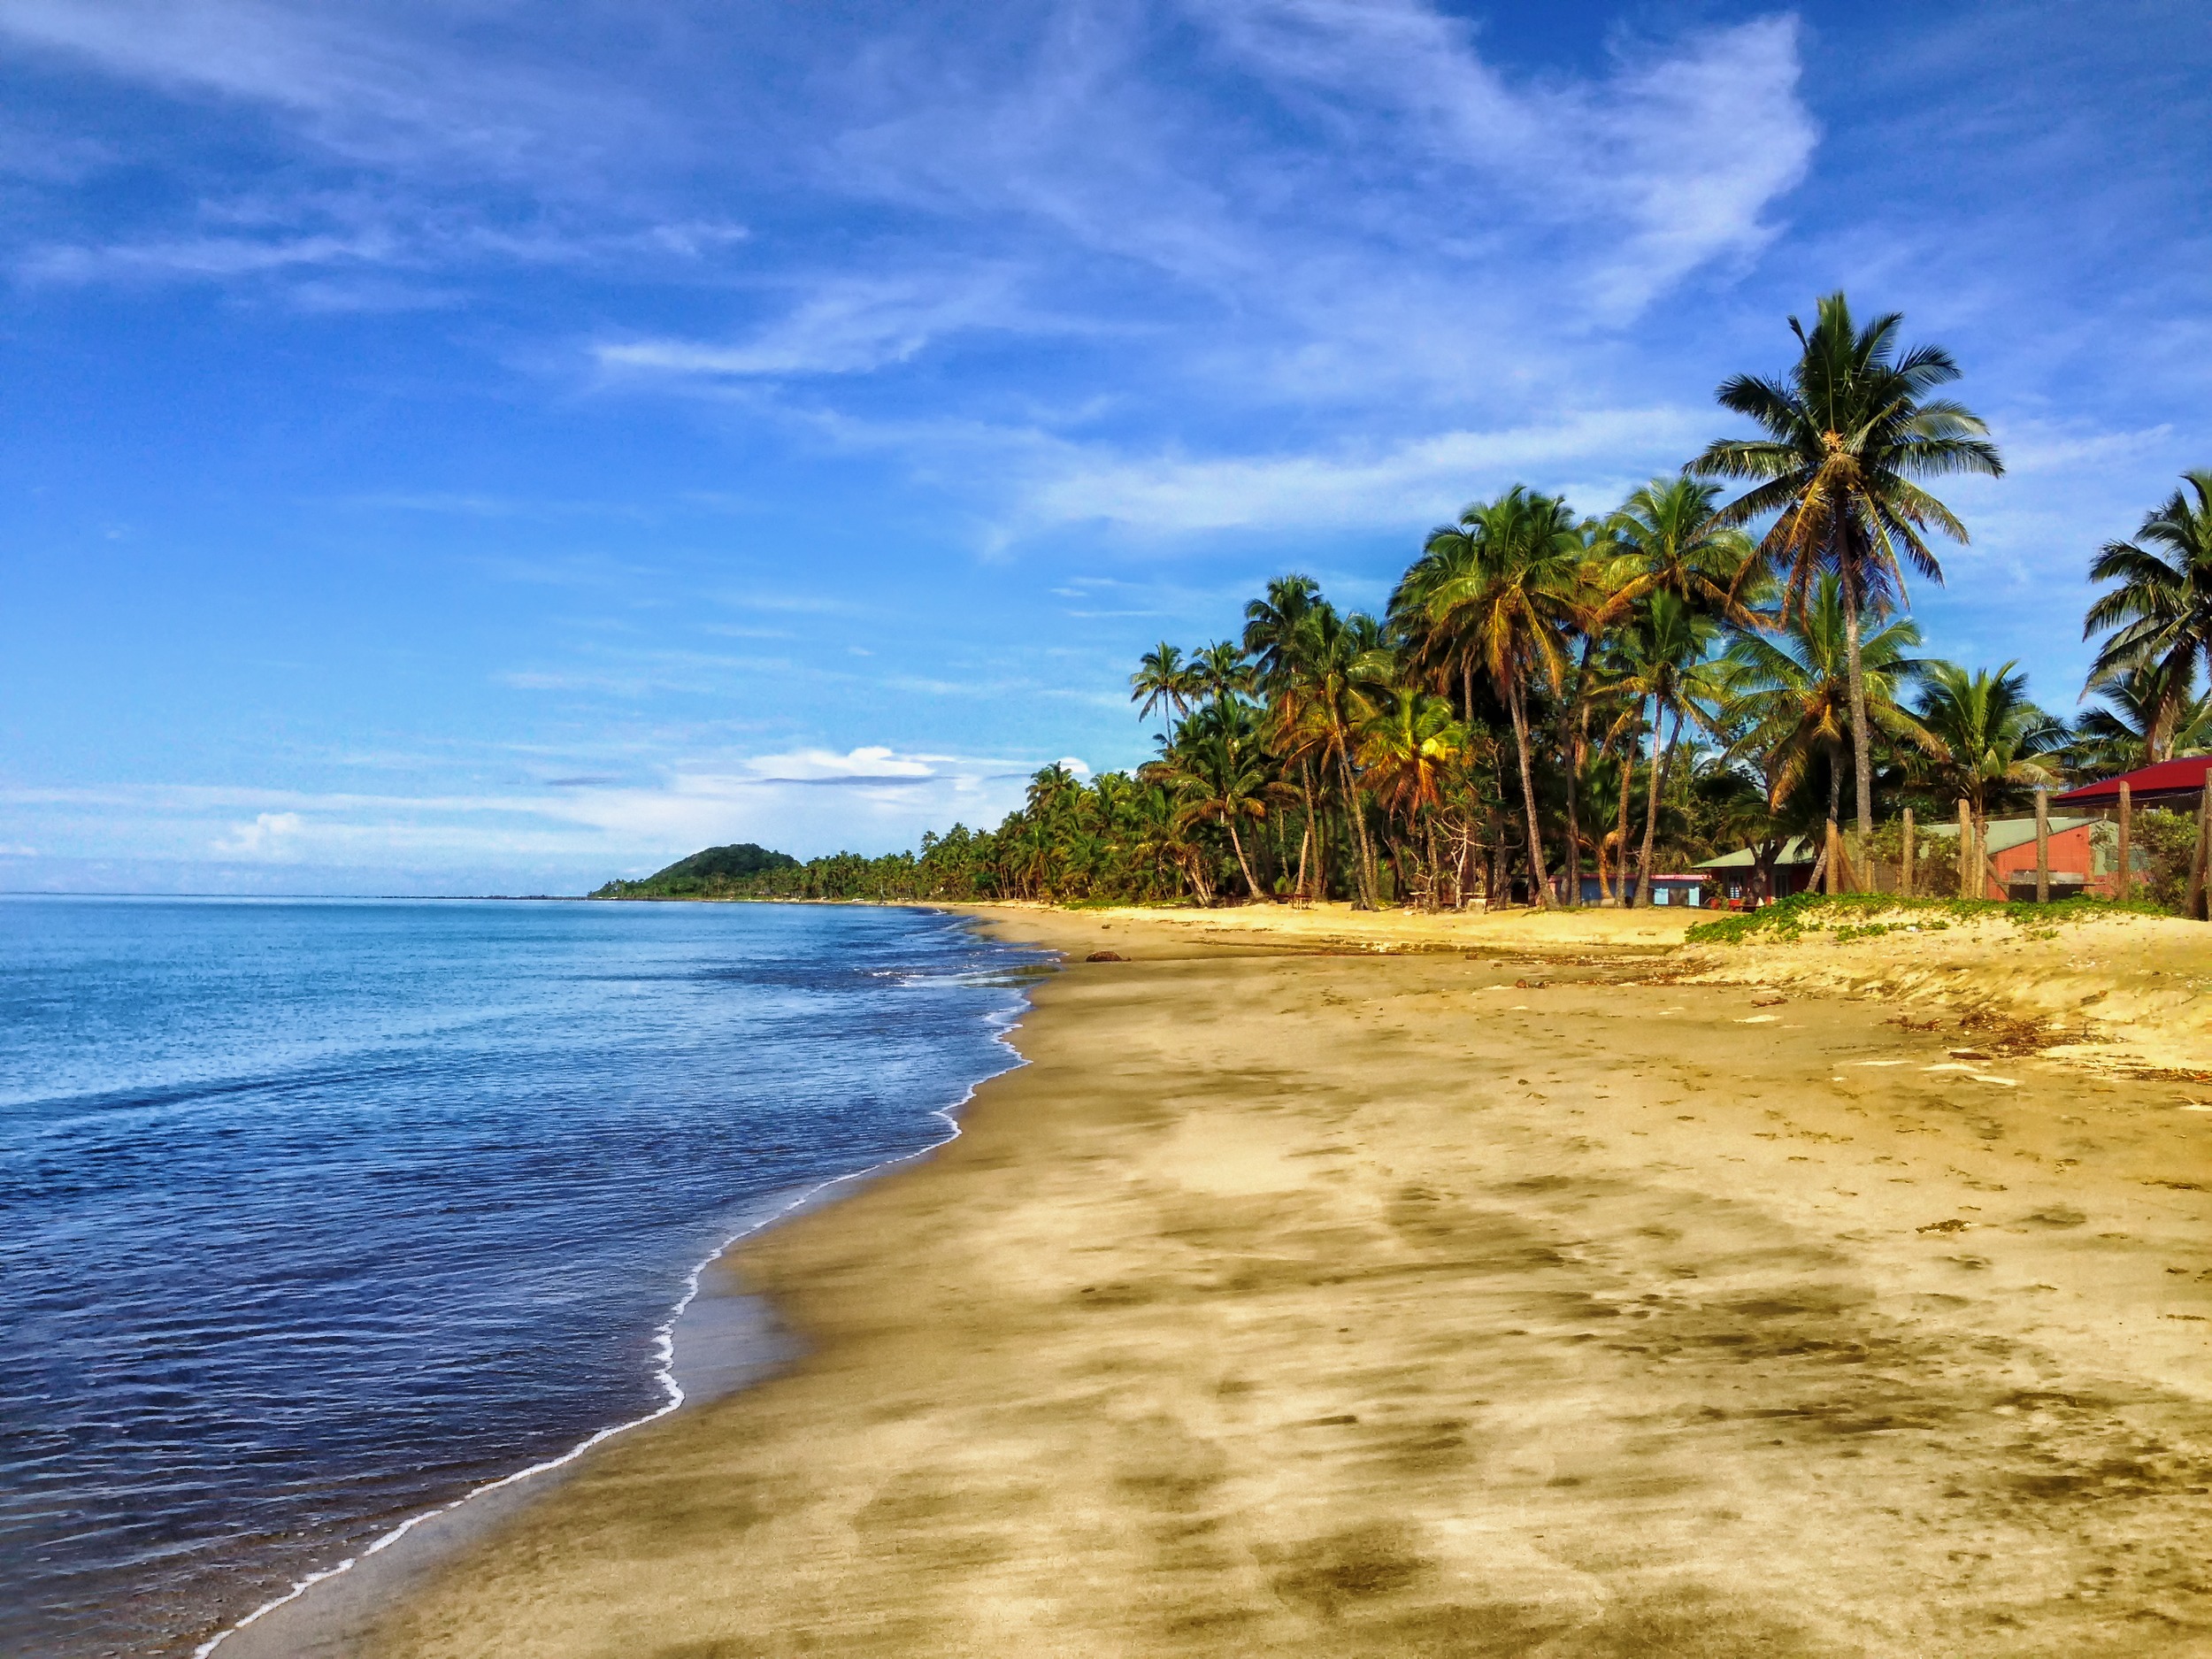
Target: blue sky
[488,447]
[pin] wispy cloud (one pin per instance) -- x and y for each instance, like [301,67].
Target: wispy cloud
[1406,481]
[843,326]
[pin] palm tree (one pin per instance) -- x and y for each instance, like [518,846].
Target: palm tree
[1221,673]
[1273,630]
[1406,751]
[1669,527]
[1788,686]
[1846,435]
[2159,613]
[1164,680]
[1659,653]
[1988,739]
[2144,719]
[1506,604]
[1337,662]
[1221,772]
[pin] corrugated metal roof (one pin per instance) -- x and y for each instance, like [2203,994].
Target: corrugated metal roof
[2004,835]
[2167,777]
[1796,851]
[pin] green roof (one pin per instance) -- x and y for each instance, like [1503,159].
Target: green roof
[1796,851]
[2004,835]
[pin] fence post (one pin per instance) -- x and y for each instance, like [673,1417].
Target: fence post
[1904,861]
[2127,867]
[2042,845]
[1967,887]
[2194,903]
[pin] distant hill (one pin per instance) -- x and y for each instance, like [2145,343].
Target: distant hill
[718,872]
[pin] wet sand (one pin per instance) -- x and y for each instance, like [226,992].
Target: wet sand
[1329,1304]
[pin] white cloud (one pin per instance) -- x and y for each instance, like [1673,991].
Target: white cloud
[847,326]
[270,835]
[1416,480]
[821,766]
[392,94]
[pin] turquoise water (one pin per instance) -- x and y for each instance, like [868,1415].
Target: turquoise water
[316,1214]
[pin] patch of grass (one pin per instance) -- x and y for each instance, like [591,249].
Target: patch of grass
[1844,917]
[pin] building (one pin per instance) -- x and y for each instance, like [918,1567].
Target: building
[2175,785]
[2082,856]
[1688,887]
[1735,876]
[2081,861]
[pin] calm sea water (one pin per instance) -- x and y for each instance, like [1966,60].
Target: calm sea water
[316,1214]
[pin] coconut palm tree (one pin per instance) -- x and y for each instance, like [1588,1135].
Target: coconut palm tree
[1222,672]
[1990,743]
[1847,434]
[1274,630]
[1787,686]
[2143,719]
[1164,681]
[1509,598]
[1406,750]
[2159,611]
[1657,657]
[1669,529]
[1220,770]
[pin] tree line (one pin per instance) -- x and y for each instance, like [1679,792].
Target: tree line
[1726,659]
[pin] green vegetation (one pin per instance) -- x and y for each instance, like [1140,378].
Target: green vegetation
[719,872]
[1547,695]
[1844,917]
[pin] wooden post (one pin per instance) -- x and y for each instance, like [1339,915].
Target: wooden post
[2193,904]
[1904,862]
[2042,845]
[2127,855]
[1968,887]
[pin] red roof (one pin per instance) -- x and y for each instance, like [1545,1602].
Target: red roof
[2169,777]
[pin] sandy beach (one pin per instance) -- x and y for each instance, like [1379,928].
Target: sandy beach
[1454,1292]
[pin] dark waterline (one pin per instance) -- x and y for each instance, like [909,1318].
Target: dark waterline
[314,1214]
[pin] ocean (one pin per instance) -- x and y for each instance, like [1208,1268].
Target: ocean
[316,1215]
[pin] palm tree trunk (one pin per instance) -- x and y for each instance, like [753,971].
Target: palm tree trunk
[1651,804]
[1574,740]
[1536,883]
[1861,744]
[1625,894]
[1236,840]
[1436,873]
[1359,830]
[1305,783]
[1651,812]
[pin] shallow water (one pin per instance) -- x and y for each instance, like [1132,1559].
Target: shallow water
[314,1214]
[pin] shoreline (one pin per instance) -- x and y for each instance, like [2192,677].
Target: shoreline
[301,1623]
[1265,1310]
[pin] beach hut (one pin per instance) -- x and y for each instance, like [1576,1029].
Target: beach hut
[1734,876]
[1687,887]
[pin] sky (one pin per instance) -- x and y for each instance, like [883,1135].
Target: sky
[489,448]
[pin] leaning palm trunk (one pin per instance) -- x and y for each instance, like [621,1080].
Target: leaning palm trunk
[1305,841]
[1537,896]
[1364,848]
[1251,887]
